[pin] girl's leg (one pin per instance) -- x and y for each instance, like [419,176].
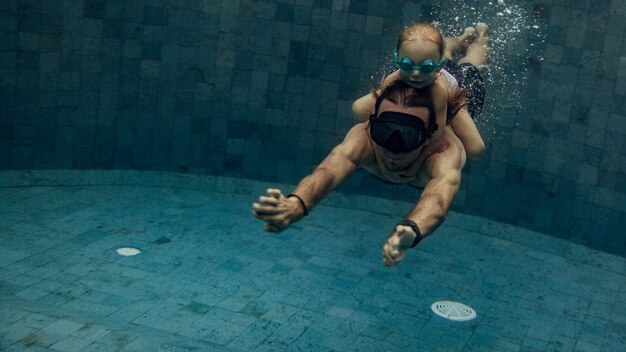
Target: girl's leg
[465,128]
[477,53]
[455,44]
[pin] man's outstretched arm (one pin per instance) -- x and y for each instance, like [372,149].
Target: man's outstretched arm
[429,212]
[280,211]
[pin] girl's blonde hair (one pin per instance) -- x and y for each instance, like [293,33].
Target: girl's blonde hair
[424,31]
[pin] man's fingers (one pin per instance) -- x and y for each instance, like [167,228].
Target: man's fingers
[394,240]
[272,228]
[392,260]
[266,209]
[268,200]
[389,262]
[276,193]
[391,251]
[272,209]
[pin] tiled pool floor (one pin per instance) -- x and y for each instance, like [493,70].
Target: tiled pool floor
[209,278]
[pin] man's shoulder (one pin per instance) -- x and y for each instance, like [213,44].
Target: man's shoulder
[358,131]
[357,144]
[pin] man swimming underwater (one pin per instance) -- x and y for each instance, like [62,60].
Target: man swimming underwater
[401,143]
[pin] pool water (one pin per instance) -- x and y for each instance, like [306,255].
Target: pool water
[209,279]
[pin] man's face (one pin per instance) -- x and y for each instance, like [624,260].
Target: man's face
[400,160]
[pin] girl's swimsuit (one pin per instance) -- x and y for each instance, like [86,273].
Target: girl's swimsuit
[452,82]
[467,76]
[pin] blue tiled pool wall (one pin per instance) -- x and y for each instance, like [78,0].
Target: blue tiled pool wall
[262,90]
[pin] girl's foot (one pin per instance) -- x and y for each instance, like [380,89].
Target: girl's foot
[453,45]
[467,37]
[481,29]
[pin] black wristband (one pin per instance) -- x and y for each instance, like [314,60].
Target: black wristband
[306,211]
[413,225]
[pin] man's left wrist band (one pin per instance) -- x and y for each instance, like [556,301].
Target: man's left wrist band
[413,225]
[306,211]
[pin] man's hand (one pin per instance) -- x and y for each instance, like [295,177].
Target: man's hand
[398,242]
[277,210]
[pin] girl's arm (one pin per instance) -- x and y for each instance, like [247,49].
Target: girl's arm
[465,128]
[440,101]
[363,107]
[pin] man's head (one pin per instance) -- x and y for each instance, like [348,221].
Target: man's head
[403,120]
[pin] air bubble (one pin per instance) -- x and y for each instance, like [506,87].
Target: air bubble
[510,28]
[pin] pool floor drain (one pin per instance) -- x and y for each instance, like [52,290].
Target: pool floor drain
[453,311]
[128,251]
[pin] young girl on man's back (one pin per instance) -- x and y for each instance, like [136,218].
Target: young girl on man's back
[425,61]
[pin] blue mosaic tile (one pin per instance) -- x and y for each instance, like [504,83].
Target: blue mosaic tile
[118,57]
[331,306]
[154,15]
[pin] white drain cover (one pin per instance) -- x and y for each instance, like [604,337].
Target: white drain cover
[127,251]
[453,311]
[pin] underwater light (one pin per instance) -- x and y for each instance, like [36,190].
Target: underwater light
[453,311]
[128,251]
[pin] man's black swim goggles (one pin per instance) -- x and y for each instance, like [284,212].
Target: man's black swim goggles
[399,132]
